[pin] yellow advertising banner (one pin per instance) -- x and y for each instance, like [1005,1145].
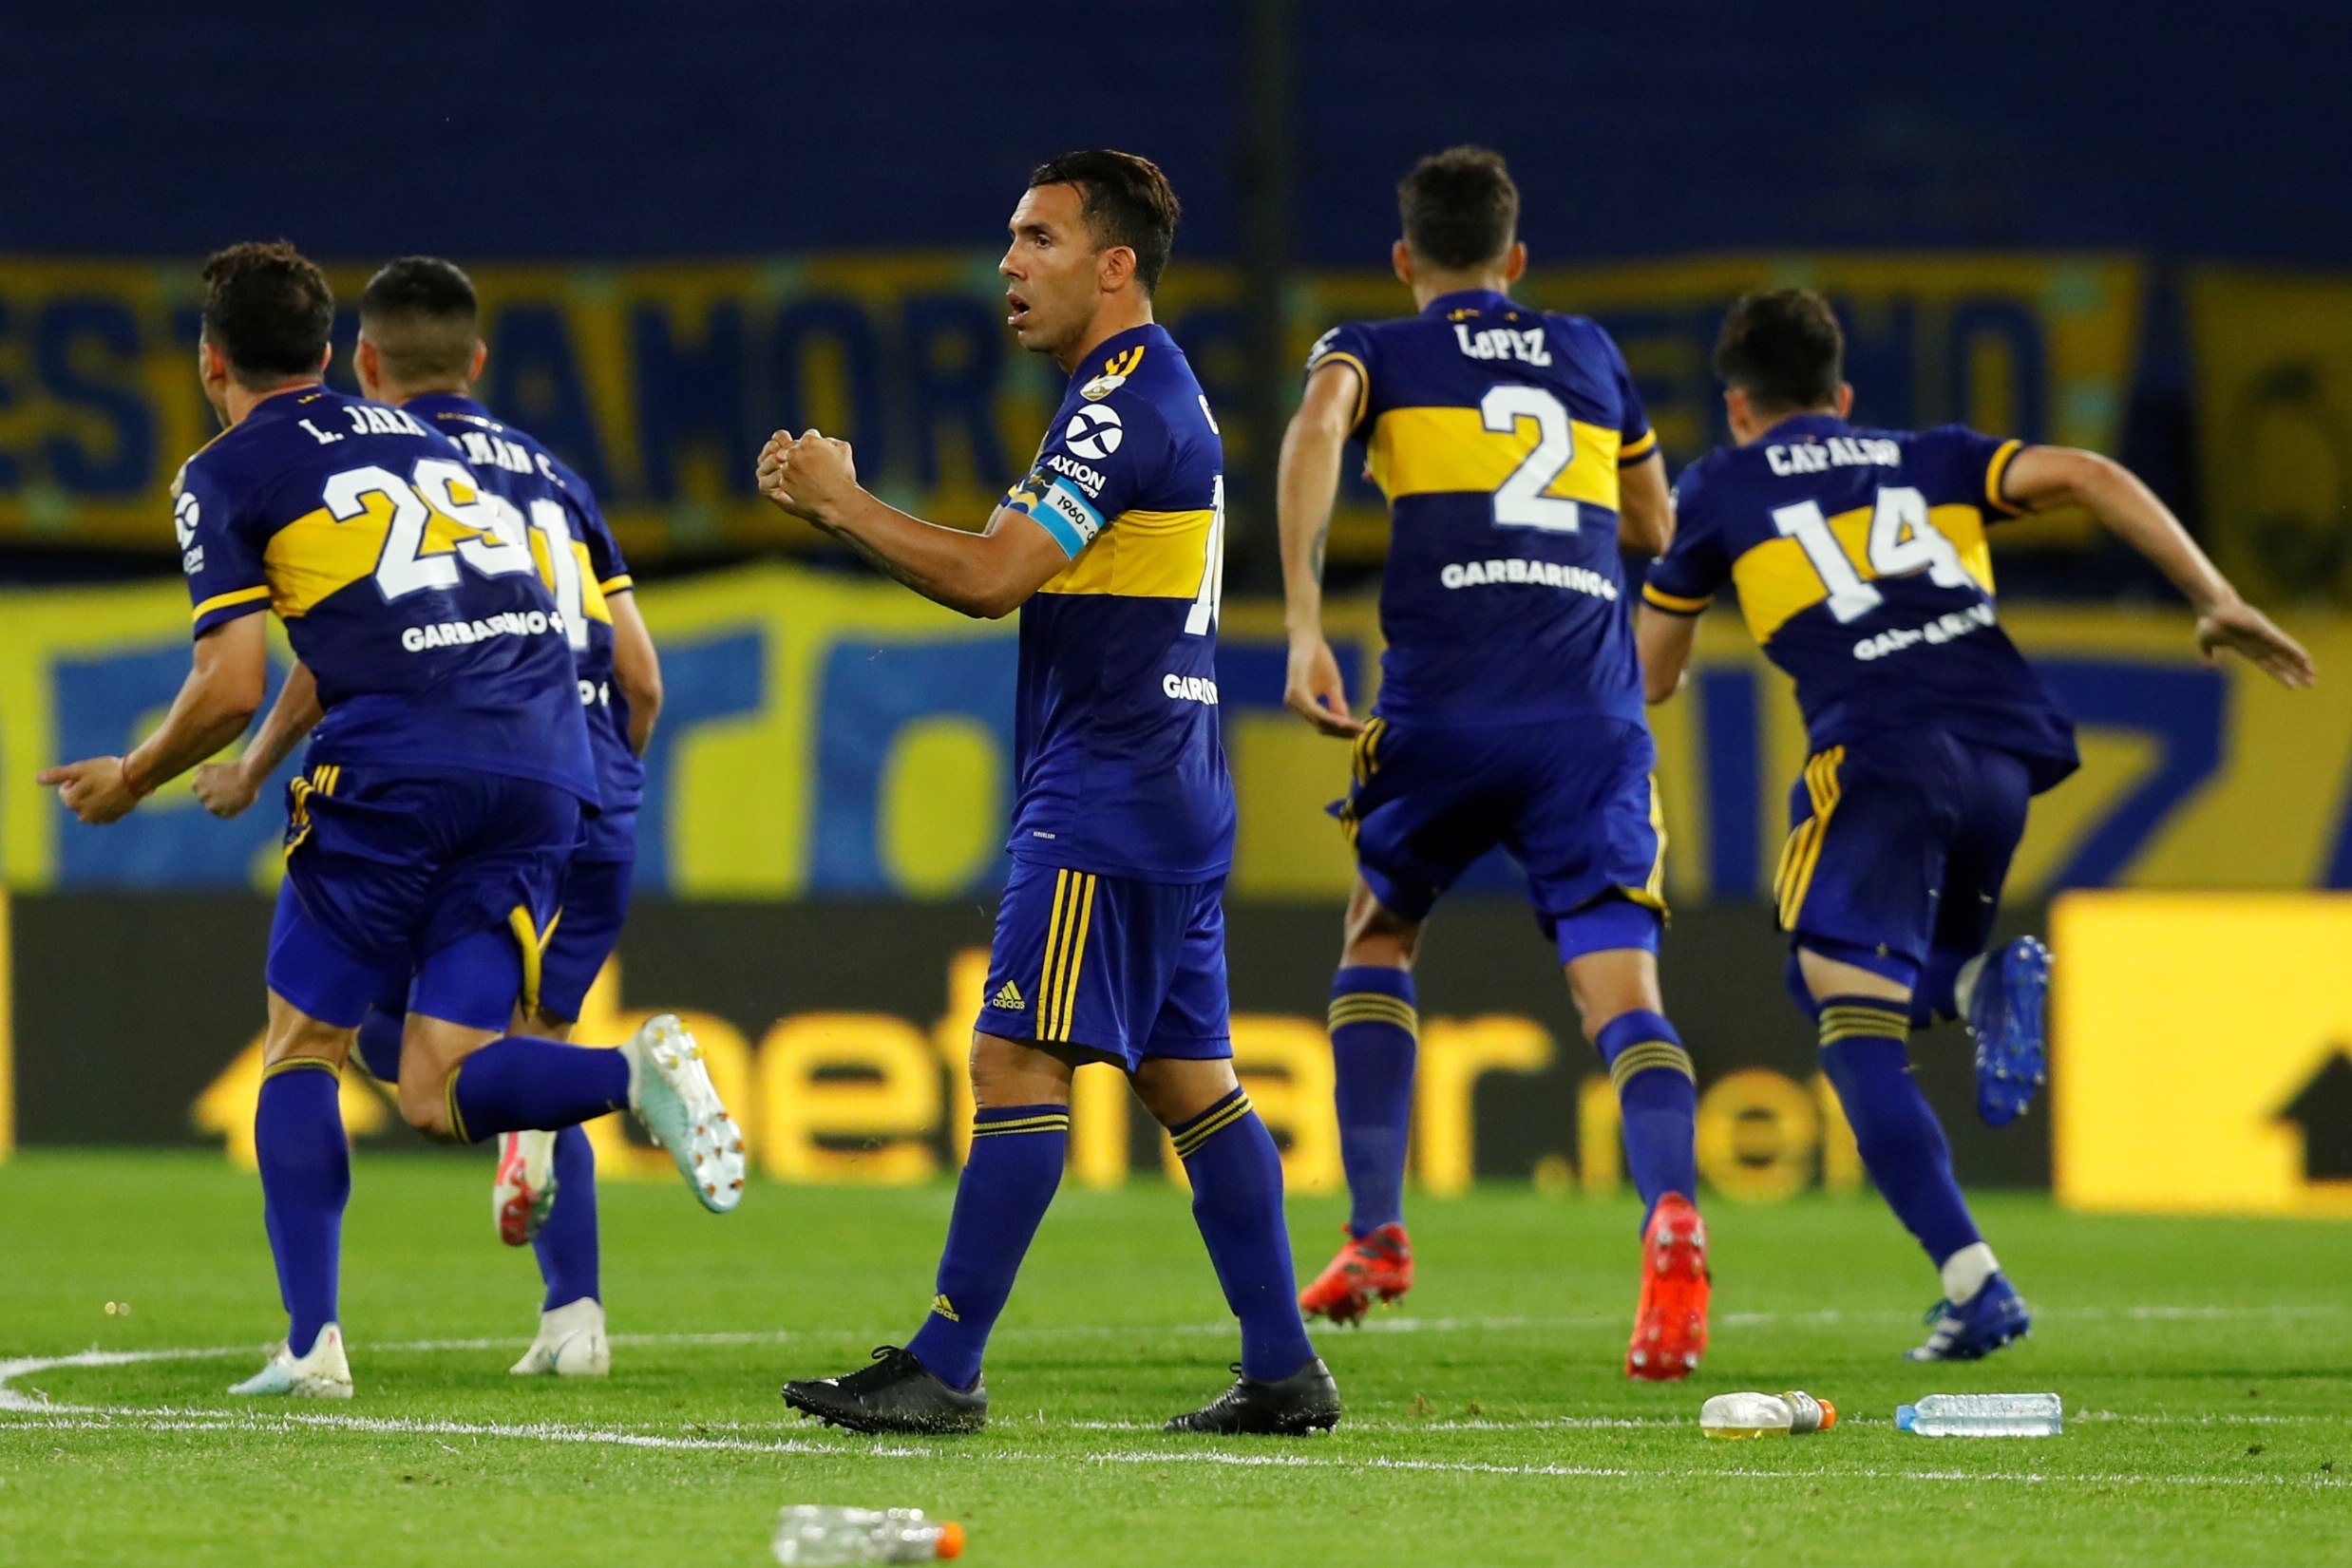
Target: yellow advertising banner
[2274,413]
[2202,1053]
[659,380]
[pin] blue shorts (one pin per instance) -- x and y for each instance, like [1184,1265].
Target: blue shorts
[595,904]
[437,872]
[1898,846]
[1572,801]
[1109,965]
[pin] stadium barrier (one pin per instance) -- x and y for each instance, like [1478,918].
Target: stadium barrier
[838,737]
[839,1032]
[658,380]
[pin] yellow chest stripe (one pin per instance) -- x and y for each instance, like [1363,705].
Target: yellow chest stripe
[1420,451]
[315,556]
[1142,555]
[1776,581]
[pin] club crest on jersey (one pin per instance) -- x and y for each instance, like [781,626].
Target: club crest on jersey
[1095,431]
[1100,387]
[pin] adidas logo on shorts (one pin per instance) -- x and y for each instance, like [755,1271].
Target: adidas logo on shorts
[1008,998]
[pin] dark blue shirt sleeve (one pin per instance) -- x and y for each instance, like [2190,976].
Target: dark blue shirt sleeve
[1967,468]
[1636,440]
[1695,565]
[1350,342]
[225,574]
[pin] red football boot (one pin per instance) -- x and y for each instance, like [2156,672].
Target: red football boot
[1670,1328]
[1376,1267]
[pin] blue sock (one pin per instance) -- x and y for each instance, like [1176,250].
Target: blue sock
[1936,996]
[1902,1143]
[306,1178]
[1237,1201]
[1017,1153]
[1658,1104]
[379,1043]
[1373,1032]
[518,1083]
[567,1243]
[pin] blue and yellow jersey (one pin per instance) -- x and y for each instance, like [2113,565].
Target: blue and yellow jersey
[578,560]
[1862,567]
[406,587]
[1122,765]
[1496,432]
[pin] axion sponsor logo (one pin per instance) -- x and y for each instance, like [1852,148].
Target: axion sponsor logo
[511,623]
[1190,688]
[1089,480]
[1539,574]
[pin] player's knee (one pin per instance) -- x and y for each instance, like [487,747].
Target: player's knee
[1015,1073]
[424,1106]
[1606,986]
[1176,1090]
[1376,934]
[295,1034]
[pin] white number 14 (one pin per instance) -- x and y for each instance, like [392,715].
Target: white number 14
[1903,540]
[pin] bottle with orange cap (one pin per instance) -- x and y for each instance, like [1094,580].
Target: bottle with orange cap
[811,1536]
[1790,1414]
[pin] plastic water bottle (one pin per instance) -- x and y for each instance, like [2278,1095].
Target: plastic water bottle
[807,1534]
[1983,1415]
[1788,1414]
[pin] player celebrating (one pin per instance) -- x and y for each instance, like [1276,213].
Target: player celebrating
[443,794]
[1862,569]
[1514,454]
[1111,939]
[419,349]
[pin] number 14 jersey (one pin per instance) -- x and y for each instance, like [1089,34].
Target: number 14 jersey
[410,590]
[1496,431]
[1862,568]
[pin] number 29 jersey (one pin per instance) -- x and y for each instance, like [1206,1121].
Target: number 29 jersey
[408,590]
[1496,431]
[1863,570]
[581,563]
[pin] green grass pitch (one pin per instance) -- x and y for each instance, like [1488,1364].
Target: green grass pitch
[2203,1365]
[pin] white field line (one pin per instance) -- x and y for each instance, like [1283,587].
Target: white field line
[553,1432]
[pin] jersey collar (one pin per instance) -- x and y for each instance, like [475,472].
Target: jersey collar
[1804,427]
[1479,300]
[1102,359]
[427,404]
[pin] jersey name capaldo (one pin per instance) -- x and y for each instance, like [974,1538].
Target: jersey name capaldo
[1836,452]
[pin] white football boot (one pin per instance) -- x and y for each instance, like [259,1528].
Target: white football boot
[571,1342]
[322,1374]
[671,1091]
[524,1190]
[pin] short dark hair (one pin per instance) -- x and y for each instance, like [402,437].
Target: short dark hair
[269,310]
[1460,208]
[1784,349]
[1126,200]
[422,316]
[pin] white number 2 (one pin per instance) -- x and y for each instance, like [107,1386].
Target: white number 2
[1520,500]
[1903,539]
[1204,607]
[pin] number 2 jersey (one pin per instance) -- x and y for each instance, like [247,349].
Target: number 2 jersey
[581,564]
[1121,764]
[1496,431]
[415,603]
[1863,570]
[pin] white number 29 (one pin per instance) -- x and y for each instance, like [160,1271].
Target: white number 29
[496,547]
[1520,500]
[1903,539]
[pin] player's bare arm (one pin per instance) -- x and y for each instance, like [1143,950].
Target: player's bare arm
[1308,481]
[226,789]
[1644,507]
[988,574]
[637,668]
[215,703]
[1663,640]
[2041,477]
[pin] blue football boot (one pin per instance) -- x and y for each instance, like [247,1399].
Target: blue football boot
[2005,1016]
[1995,1315]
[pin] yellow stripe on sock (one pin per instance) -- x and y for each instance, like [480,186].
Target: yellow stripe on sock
[1643,1055]
[297,1064]
[448,1101]
[1217,1121]
[1059,1122]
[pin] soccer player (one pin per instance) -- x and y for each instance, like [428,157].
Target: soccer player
[1861,564]
[419,349]
[1110,940]
[442,790]
[1515,456]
